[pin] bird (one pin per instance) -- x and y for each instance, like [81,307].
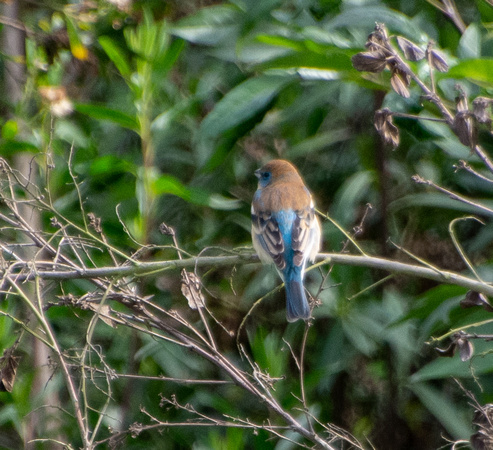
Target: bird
[285,230]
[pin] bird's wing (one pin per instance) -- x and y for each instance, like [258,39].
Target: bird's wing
[266,230]
[303,235]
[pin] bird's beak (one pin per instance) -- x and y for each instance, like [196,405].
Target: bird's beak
[257,173]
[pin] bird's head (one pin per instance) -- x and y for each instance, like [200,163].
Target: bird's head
[275,170]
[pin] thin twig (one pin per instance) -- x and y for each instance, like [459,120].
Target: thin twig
[481,208]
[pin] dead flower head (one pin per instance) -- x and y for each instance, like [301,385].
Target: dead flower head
[57,98]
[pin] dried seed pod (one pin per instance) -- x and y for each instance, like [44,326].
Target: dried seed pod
[465,128]
[166,229]
[411,51]
[386,129]
[95,222]
[474,298]
[436,60]
[376,42]
[369,62]
[381,31]
[481,440]
[190,288]
[400,81]
[480,109]
[461,342]
[461,104]
[483,419]
[447,352]
[380,118]
[8,369]
[466,349]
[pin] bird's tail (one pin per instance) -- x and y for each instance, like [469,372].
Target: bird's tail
[296,303]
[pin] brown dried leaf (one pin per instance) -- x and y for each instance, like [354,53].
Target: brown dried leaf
[190,288]
[411,51]
[369,62]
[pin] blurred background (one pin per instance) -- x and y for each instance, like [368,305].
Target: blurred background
[162,110]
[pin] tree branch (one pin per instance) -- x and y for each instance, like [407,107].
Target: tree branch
[26,271]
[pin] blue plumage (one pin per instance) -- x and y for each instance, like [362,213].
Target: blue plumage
[285,230]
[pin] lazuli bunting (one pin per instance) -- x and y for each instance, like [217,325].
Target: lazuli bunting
[285,229]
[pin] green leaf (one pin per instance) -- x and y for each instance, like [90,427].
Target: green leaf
[109,164]
[456,421]
[149,39]
[346,204]
[437,200]
[217,201]
[334,59]
[476,70]
[281,41]
[241,103]
[10,130]
[76,46]
[117,56]
[104,113]
[431,300]
[236,114]
[209,26]
[365,17]
[470,43]
[442,367]
[168,184]
[11,147]
[169,57]
[318,142]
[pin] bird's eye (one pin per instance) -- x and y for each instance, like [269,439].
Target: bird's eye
[266,175]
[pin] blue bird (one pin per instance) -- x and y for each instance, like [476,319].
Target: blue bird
[285,230]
